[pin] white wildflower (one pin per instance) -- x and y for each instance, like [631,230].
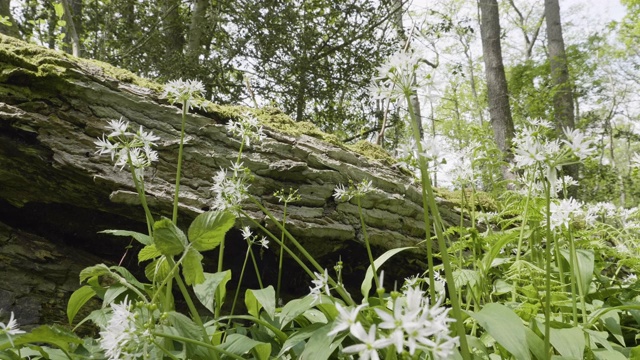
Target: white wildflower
[368,349]
[263,242]
[125,335]
[189,92]
[630,279]
[247,128]
[563,212]
[229,192]
[246,233]
[10,328]
[346,318]
[578,143]
[118,128]
[321,285]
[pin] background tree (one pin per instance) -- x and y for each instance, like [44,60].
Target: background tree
[498,94]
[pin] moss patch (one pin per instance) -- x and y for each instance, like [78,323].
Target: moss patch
[483,201]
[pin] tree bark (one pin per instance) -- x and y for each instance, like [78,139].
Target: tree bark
[563,109]
[498,95]
[198,17]
[54,186]
[70,28]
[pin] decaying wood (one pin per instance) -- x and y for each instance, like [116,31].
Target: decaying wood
[54,185]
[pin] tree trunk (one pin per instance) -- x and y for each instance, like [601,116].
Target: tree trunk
[563,109]
[198,18]
[54,185]
[70,28]
[498,95]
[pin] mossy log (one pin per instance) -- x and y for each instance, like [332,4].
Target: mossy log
[54,187]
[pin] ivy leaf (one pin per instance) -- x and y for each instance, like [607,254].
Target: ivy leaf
[207,231]
[168,238]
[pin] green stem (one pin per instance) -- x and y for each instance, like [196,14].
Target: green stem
[547,252]
[139,185]
[345,295]
[176,195]
[284,219]
[442,246]
[255,267]
[279,334]
[367,245]
[198,343]
[235,297]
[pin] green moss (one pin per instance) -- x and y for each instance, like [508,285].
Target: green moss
[483,201]
[372,151]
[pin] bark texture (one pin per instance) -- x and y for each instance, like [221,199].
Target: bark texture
[498,95]
[57,193]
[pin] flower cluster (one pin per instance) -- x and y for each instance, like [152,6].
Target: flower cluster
[358,190]
[10,328]
[321,285]
[247,128]
[230,190]
[409,324]
[128,148]
[189,92]
[542,158]
[563,212]
[253,239]
[127,334]
[397,77]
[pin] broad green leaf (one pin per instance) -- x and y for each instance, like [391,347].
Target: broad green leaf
[298,337]
[77,301]
[584,268]
[158,269]
[462,277]
[168,238]
[569,343]
[603,354]
[536,345]
[320,345]
[213,289]
[192,267]
[240,344]
[295,308]
[54,335]
[366,283]
[111,294]
[148,252]
[96,270]
[208,229]
[257,299]
[611,320]
[59,9]
[128,276]
[98,317]
[635,353]
[144,239]
[505,327]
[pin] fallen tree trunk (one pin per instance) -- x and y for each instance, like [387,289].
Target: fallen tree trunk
[54,185]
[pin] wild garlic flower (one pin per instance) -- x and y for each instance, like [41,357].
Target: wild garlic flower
[292,196]
[347,318]
[358,190]
[10,328]
[414,324]
[321,285]
[578,143]
[397,77]
[368,348]
[247,128]
[230,191]
[126,147]
[248,235]
[563,212]
[189,92]
[127,334]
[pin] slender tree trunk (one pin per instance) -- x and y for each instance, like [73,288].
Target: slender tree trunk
[499,109]
[198,16]
[70,27]
[563,94]
[397,19]
[563,108]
